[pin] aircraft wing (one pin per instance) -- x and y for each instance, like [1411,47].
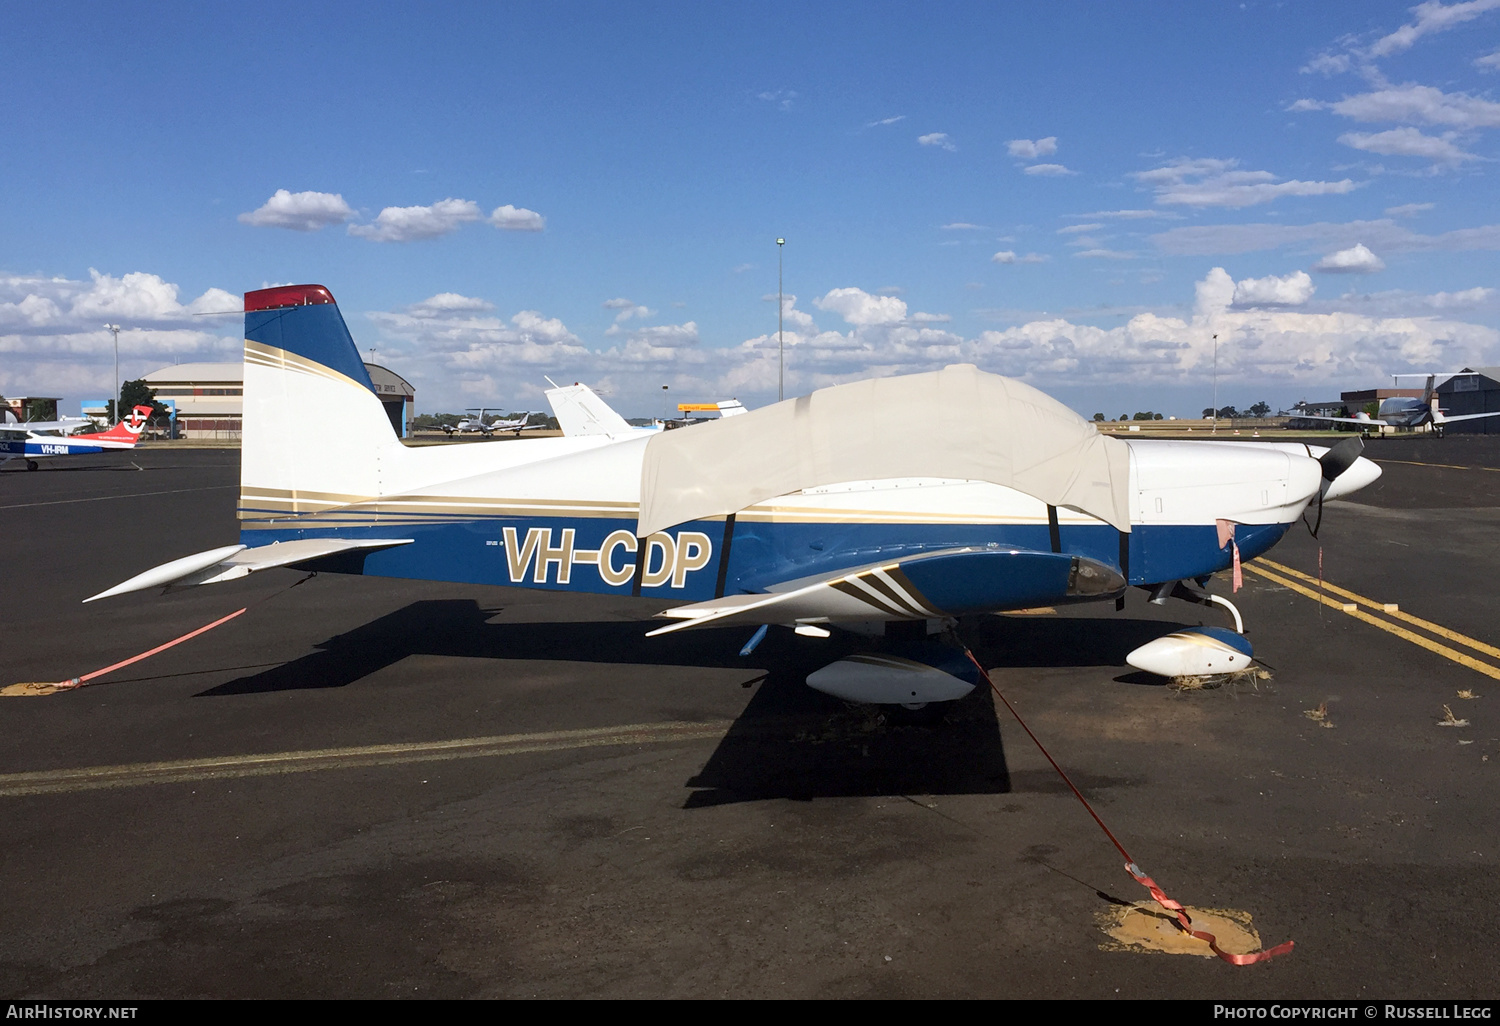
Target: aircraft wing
[1468,416]
[62,424]
[927,585]
[230,562]
[1367,421]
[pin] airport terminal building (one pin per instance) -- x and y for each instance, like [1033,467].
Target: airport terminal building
[209,398]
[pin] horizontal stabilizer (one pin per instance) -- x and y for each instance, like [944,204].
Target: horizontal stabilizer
[926,586]
[231,562]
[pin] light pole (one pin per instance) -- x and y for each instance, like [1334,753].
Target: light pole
[115,404]
[1216,384]
[780,338]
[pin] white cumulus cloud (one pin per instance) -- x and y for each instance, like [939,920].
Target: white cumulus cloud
[660,336]
[1466,297]
[1357,259]
[1292,289]
[1264,345]
[53,340]
[1431,16]
[1006,256]
[858,307]
[1050,169]
[299,211]
[1417,105]
[1031,149]
[447,304]
[938,139]
[1210,182]
[625,309]
[1408,142]
[408,224]
[517,219]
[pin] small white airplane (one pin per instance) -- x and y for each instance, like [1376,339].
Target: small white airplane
[33,440]
[477,422]
[1406,412]
[818,512]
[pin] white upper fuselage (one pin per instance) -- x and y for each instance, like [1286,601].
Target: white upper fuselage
[1183,483]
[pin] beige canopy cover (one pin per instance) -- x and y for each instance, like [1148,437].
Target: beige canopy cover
[959,422]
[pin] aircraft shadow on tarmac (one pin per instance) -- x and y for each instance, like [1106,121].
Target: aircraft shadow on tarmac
[790,741]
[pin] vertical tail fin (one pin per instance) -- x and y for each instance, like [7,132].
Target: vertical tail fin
[580,411]
[129,429]
[314,429]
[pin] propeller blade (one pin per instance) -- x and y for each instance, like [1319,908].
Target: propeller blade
[1341,457]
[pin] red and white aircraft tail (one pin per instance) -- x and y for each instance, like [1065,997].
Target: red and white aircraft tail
[123,435]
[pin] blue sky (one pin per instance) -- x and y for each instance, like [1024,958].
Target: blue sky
[1077,194]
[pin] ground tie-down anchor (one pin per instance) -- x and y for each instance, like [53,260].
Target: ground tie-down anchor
[1183,920]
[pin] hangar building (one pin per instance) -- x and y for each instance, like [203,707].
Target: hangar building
[1476,390]
[210,398]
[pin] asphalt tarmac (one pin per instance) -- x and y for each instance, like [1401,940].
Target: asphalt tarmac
[371,788]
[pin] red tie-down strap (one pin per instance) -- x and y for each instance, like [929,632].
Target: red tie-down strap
[1226,538]
[1184,921]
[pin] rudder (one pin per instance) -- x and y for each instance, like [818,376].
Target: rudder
[313,427]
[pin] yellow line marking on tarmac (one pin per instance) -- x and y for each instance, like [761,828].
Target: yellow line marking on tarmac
[1359,614]
[1426,625]
[89,778]
[1444,466]
[127,495]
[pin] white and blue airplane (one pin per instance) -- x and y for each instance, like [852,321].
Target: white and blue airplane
[33,440]
[818,512]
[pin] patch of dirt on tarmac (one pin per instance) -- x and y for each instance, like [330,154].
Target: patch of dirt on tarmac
[1146,926]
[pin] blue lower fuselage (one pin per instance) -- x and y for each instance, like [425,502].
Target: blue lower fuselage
[35,447]
[687,563]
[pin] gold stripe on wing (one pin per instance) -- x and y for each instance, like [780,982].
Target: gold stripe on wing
[910,590]
[874,601]
[876,587]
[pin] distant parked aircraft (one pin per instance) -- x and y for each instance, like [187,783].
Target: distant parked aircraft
[1405,412]
[32,441]
[476,422]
